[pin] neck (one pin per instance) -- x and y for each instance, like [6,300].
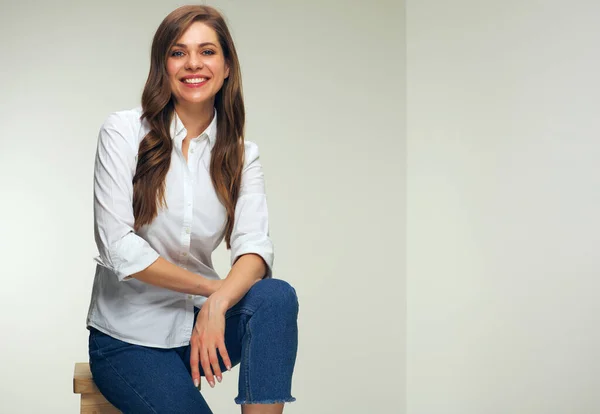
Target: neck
[195,118]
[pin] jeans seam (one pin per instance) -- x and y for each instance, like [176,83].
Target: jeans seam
[122,378]
[246,311]
[247,358]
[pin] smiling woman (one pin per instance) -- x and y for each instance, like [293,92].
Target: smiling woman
[204,60]
[172,179]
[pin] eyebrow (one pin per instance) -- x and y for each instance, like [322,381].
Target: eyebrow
[199,45]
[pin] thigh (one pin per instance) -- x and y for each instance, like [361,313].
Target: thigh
[139,379]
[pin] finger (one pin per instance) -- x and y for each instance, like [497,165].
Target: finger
[194,361]
[224,355]
[214,362]
[204,360]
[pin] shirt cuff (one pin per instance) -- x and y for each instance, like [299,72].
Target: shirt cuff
[129,255]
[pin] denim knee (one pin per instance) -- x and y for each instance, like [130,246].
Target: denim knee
[269,343]
[277,293]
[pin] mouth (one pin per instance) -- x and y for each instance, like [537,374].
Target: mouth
[194,81]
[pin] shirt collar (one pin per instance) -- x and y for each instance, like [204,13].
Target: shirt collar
[178,131]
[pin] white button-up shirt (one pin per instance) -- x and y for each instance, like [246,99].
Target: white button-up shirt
[185,233]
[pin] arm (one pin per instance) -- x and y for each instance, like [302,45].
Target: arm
[251,246]
[121,249]
[165,274]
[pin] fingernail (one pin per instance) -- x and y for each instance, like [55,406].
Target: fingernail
[212,383]
[228,367]
[196,383]
[218,378]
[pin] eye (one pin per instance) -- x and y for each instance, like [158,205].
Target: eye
[210,52]
[175,53]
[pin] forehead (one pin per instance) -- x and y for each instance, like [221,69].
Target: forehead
[198,32]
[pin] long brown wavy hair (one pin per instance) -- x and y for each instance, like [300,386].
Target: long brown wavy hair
[154,154]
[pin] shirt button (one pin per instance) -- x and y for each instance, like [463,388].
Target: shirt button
[187,230]
[192,150]
[184,254]
[190,297]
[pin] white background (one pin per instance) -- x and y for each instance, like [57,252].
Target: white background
[325,96]
[503,204]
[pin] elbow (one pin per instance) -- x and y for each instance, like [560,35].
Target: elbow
[254,264]
[257,248]
[126,256]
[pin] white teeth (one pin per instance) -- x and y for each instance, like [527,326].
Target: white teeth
[196,80]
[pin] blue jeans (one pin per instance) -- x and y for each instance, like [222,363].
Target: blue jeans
[261,334]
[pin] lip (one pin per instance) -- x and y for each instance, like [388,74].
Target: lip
[194,77]
[194,85]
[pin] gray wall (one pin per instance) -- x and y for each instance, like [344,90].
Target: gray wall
[503,197]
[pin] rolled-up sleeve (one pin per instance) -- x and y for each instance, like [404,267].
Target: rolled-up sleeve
[120,248]
[251,225]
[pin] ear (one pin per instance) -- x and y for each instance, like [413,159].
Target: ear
[226,71]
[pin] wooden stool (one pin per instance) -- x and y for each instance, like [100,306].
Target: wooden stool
[92,401]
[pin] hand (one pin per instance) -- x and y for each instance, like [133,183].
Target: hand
[208,335]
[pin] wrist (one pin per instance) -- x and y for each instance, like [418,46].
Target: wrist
[218,303]
[206,287]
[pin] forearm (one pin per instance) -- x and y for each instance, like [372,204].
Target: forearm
[165,274]
[246,271]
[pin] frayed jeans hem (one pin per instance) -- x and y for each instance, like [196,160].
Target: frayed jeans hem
[280,401]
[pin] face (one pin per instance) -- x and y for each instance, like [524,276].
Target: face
[196,66]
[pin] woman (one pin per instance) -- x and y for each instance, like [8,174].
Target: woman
[171,180]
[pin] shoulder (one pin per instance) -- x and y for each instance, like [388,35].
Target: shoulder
[123,119]
[122,125]
[251,152]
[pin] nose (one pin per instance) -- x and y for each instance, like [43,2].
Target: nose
[194,62]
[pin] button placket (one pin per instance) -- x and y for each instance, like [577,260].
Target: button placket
[187,219]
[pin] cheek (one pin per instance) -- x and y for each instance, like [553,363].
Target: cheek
[219,69]
[172,68]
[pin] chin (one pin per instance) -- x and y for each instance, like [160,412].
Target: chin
[196,101]
[193,102]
